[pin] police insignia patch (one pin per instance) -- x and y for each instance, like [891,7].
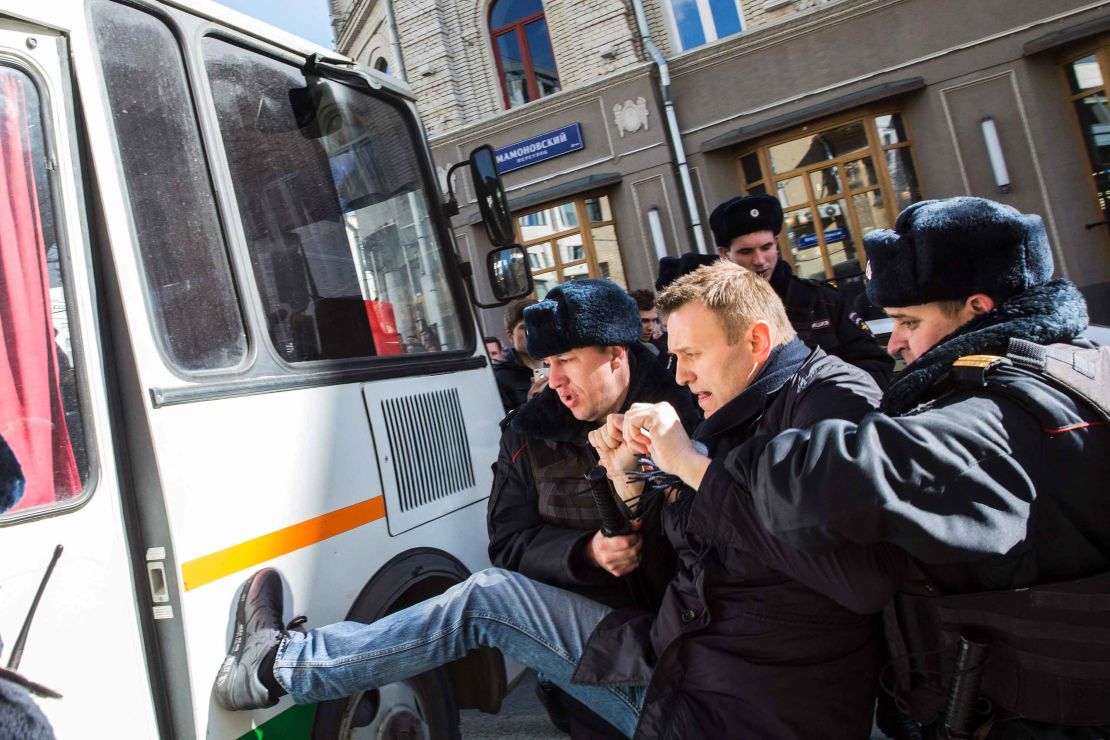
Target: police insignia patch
[855,319]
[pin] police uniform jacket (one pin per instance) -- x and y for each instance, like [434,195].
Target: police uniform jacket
[819,316]
[542,515]
[754,639]
[989,477]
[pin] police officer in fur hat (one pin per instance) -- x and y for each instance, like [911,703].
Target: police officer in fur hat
[989,467]
[542,518]
[746,231]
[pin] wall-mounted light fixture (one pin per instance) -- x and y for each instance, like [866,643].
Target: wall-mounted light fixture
[994,153]
[655,224]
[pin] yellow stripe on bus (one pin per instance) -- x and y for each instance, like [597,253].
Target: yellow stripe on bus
[239,557]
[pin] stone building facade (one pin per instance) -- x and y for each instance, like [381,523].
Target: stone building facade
[847,110]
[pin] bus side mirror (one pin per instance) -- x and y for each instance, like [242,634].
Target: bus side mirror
[492,202]
[509,276]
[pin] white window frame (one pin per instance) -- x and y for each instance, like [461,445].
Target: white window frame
[708,27]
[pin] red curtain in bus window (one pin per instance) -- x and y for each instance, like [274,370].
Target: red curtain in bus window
[32,419]
[383,326]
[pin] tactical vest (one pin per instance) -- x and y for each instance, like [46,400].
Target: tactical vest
[1048,646]
[565,496]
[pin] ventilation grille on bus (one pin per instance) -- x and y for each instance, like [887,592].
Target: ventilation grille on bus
[431,453]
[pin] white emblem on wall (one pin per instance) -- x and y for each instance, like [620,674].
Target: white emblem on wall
[630,117]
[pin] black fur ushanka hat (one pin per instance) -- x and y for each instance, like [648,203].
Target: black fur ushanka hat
[949,249]
[581,313]
[745,215]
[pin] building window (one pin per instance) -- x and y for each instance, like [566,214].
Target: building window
[1087,91]
[382,65]
[571,241]
[698,22]
[522,49]
[836,183]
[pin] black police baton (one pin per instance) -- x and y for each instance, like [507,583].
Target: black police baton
[613,521]
[959,711]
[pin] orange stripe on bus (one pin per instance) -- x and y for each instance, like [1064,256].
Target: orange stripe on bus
[208,568]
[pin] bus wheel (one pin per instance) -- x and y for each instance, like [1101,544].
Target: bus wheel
[419,708]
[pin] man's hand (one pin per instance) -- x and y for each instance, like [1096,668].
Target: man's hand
[618,555]
[616,458]
[654,429]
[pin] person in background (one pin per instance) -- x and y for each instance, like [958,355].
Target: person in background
[746,231]
[515,372]
[653,338]
[493,347]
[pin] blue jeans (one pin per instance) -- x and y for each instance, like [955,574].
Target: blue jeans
[540,626]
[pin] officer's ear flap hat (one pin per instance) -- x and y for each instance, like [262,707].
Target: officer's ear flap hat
[581,313]
[744,215]
[942,250]
[672,268]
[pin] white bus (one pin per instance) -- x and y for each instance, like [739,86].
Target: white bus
[235,333]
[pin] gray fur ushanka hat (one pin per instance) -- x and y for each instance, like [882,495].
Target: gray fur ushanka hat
[581,313]
[941,250]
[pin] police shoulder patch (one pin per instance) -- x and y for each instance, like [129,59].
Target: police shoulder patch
[972,370]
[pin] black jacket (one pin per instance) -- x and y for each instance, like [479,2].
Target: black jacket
[541,512]
[754,639]
[514,379]
[819,316]
[992,480]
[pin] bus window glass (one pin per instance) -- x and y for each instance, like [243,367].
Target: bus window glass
[189,282]
[344,254]
[40,416]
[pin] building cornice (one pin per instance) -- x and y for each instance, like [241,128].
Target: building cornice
[542,108]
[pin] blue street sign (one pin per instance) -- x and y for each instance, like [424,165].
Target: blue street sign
[832,235]
[539,148]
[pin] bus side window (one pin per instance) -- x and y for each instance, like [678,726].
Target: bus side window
[344,252]
[40,415]
[190,290]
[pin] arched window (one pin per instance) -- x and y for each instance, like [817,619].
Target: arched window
[522,48]
[382,65]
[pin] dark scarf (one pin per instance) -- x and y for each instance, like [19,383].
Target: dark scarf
[782,364]
[1053,312]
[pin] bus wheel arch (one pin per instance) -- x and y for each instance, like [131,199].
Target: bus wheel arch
[476,681]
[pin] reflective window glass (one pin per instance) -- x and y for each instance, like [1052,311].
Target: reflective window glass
[890,129]
[903,177]
[597,208]
[871,214]
[825,182]
[837,229]
[829,144]
[571,248]
[687,20]
[726,17]
[792,191]
[512,68]
[505,12]
[540,256]
[608,254]
[189,283]
[804,246]
[40,410]
[543,58]
[560,249]
[334,208]
[861,174]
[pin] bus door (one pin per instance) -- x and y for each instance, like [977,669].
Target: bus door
[54,412]
[283,279]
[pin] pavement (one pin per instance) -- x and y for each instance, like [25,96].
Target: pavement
[522,717]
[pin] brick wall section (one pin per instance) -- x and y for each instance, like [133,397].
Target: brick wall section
[450,62]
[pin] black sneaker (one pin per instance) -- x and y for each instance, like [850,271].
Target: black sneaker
[551,697]
[258,630]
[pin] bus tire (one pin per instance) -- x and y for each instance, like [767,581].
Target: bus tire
[418,708]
